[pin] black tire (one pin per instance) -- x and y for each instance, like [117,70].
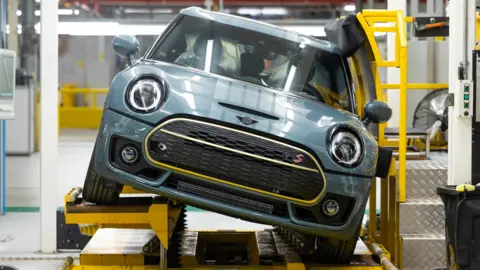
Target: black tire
[334,251]
[175,242]
[98,190]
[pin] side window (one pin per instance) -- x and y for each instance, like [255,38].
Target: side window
[330,80]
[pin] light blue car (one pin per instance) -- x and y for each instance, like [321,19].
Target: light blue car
[245,119]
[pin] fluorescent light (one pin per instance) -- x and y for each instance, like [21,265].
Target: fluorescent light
[264,11]
[65,12]
[19,13]
[274,11]
[163,10]
[307,30]
[108,29]
[148,11]
[114,28]
[349,8]
[249,11]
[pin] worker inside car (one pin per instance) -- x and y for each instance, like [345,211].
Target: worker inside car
[327,80]
[252,65]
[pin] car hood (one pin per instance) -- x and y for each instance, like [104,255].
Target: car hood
[192,92]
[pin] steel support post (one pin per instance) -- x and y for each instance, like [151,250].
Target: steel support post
[461,44]
[12,39]
[393,75]
[48,124]
[3,183]
[29,48]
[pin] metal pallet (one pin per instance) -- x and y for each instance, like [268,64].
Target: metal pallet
[422,225]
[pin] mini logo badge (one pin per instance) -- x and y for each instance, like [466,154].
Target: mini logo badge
[298,159]
[247,120]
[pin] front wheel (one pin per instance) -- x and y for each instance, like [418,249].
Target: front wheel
[98,190]
[330,250]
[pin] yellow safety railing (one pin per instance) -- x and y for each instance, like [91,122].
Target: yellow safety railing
[368,19]
[393,188]
[87,114]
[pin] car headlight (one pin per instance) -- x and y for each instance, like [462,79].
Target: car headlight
[345,147]
[145,95]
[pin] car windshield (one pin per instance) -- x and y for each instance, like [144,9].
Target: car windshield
[251,56]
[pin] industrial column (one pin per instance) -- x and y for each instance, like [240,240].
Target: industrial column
[12,40]
[48,124]
[393,75]
[3,40]
[462,43]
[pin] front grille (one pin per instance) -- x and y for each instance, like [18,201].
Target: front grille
[219,194]
[237,158]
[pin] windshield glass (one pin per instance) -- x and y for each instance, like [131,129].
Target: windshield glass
[258,58]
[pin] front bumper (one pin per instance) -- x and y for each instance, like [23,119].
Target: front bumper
[245,204]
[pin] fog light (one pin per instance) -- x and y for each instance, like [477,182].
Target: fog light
[129,154]
[331,208]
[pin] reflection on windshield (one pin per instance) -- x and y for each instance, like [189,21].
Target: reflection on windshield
[258,58]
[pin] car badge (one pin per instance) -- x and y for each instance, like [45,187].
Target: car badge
[247,120]
[298,159]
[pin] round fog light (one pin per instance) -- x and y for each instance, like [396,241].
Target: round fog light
[331,208]
[129,154]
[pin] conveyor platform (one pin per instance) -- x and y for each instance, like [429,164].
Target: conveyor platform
[149,233]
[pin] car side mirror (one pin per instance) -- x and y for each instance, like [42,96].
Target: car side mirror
[377,112]
[126,46]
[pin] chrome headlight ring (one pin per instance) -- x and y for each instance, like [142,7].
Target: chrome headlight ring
[145,95]
[345,146]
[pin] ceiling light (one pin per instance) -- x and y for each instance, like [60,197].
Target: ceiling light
[38,13]
[65,12]
[274,11]
[38,1]
[249,11]
[264,11]
[76,11]
[349,8]
[115,28]
[163,10]
[19,13]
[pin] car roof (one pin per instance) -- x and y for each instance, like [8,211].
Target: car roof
[262,27]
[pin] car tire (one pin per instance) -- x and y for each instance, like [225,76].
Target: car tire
[334,251]
[99,190]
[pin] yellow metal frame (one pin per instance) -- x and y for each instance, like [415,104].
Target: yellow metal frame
[159,218]
[73,116]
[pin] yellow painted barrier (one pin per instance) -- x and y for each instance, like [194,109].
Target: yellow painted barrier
[80,116]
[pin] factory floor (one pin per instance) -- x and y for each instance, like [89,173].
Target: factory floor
[20,226]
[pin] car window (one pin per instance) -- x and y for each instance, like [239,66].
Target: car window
[278,63]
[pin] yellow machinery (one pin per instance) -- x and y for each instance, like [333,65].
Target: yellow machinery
[135,234]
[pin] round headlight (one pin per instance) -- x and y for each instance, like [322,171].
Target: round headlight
[145,95]
[345,148]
